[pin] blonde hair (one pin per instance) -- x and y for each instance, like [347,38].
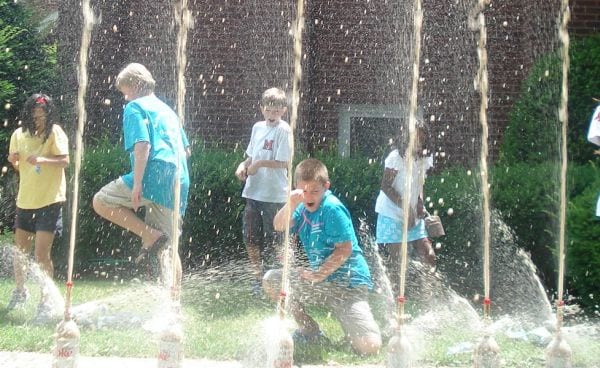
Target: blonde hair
[274,97]
[137,77]
[311,169]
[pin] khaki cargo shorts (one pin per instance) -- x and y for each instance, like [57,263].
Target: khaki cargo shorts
[349,305]
[118,194]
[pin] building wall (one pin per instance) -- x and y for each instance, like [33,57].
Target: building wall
[356,57]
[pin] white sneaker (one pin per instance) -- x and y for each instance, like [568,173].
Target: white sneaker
[18,299]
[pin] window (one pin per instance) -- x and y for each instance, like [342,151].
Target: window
[367,129]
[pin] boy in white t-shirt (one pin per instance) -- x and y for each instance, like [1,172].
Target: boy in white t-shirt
[266,188]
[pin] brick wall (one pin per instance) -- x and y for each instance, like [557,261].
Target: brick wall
[585,17]
[355,56]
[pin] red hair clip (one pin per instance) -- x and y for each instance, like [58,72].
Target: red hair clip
[41,100]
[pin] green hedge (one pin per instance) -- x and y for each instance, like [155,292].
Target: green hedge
[525,195]
[583,246]
[533,130]
[212,226]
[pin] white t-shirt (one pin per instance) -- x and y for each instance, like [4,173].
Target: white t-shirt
[268,143]
[594,132]
[394,161]
[594,137]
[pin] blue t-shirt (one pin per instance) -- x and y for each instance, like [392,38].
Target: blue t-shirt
[319,231]
[148,119]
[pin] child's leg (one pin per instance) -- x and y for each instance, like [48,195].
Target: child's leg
[392,260]
[425,251]
[272,240]
[42,252]
[352,308]
[113,202]
[23,244]
[252,231]
[161,218]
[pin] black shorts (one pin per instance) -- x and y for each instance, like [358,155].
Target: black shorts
[47,218]
[258,224]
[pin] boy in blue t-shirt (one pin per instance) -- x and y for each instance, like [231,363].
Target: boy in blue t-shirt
[158,148]
[338,276]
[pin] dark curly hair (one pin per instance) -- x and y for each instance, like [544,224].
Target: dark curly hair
[42,101]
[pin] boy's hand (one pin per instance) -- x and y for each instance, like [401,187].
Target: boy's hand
[308,275]
[136,197]
[296,197]
[36,160]
[241,172]
[597,152]
[13,158]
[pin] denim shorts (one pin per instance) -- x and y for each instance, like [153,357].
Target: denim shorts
[389,230]
[47,219]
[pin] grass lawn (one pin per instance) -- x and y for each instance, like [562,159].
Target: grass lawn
[222,321]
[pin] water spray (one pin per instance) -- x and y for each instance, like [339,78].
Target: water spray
[283,354]
[66,349]
[399,347]
[171,338]
[558,352]
[487,351]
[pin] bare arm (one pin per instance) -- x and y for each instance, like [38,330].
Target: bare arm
[340,254]
[58,160]
[141,152]
[386,186]
[13,158]
[273,164]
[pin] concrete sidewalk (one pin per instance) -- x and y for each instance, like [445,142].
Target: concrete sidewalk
[13,359]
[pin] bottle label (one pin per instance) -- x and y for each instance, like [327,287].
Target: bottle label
[66,353]
[170,354]
[284,357]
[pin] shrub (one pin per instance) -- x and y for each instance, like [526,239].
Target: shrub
[96,238]
[528,197]
[524,194]
[212,229]
[212,225]
[356,182]
[532,133]
[583,246]
[27,65]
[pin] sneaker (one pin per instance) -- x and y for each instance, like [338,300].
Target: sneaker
[257,289]
[313,339]
[46,314]
[18,299]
